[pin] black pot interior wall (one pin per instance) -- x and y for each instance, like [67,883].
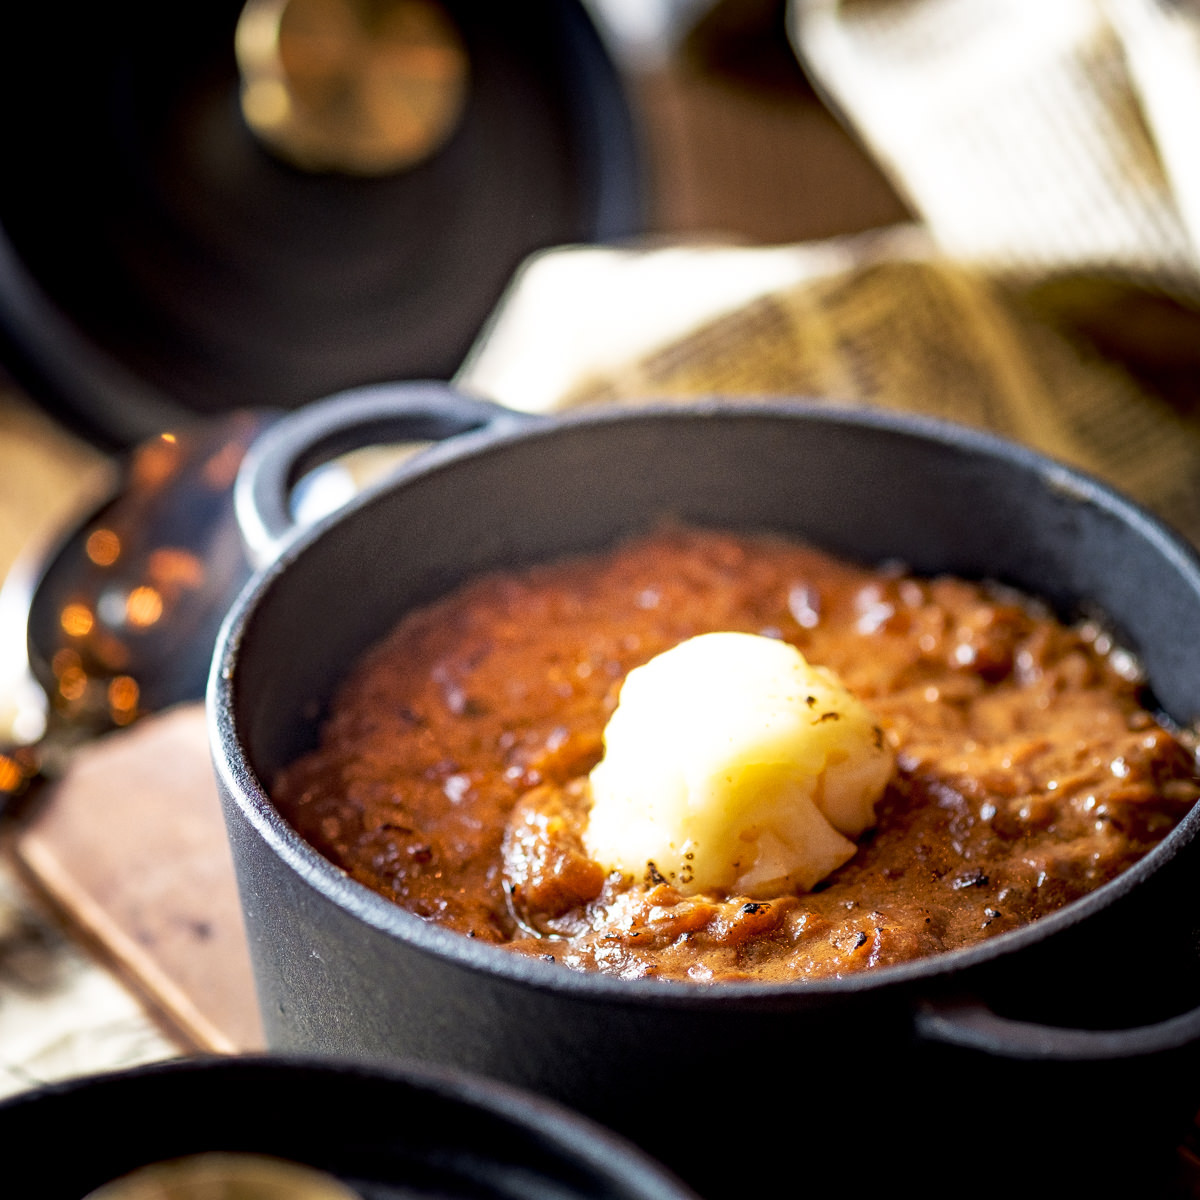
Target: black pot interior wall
[578,484]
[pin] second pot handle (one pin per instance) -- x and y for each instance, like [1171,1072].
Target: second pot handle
[968,1023]
[372,415]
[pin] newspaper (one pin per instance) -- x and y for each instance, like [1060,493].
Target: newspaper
[879,319]
[61,1013]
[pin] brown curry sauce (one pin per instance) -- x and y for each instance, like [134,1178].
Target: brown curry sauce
[451,772]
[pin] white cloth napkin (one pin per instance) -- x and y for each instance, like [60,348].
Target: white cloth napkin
[1033,137]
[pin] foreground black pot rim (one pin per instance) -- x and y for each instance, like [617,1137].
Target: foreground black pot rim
[568,1141]
[376,911]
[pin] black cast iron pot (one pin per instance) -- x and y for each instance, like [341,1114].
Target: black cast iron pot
[198,273]
[1060,1054]
[400,1132]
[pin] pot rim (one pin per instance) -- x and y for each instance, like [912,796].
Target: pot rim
[253,801]
[572,1138]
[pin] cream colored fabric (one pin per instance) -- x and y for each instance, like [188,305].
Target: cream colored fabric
[881,319]
[1032,137]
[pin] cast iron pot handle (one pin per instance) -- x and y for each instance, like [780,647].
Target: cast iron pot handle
[969,1024]
[373,415]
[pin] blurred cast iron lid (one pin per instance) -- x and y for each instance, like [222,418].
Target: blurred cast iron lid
[159,260]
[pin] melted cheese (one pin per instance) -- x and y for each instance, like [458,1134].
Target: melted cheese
[733,764]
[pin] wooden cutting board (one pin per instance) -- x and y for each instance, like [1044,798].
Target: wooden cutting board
[130,847]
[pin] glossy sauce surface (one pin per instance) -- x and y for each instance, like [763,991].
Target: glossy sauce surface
[451,772]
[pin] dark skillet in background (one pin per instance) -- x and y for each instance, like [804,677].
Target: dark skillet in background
[156,263]
[1060,1055]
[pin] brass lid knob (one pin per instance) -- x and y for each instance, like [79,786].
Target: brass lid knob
[361,87]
